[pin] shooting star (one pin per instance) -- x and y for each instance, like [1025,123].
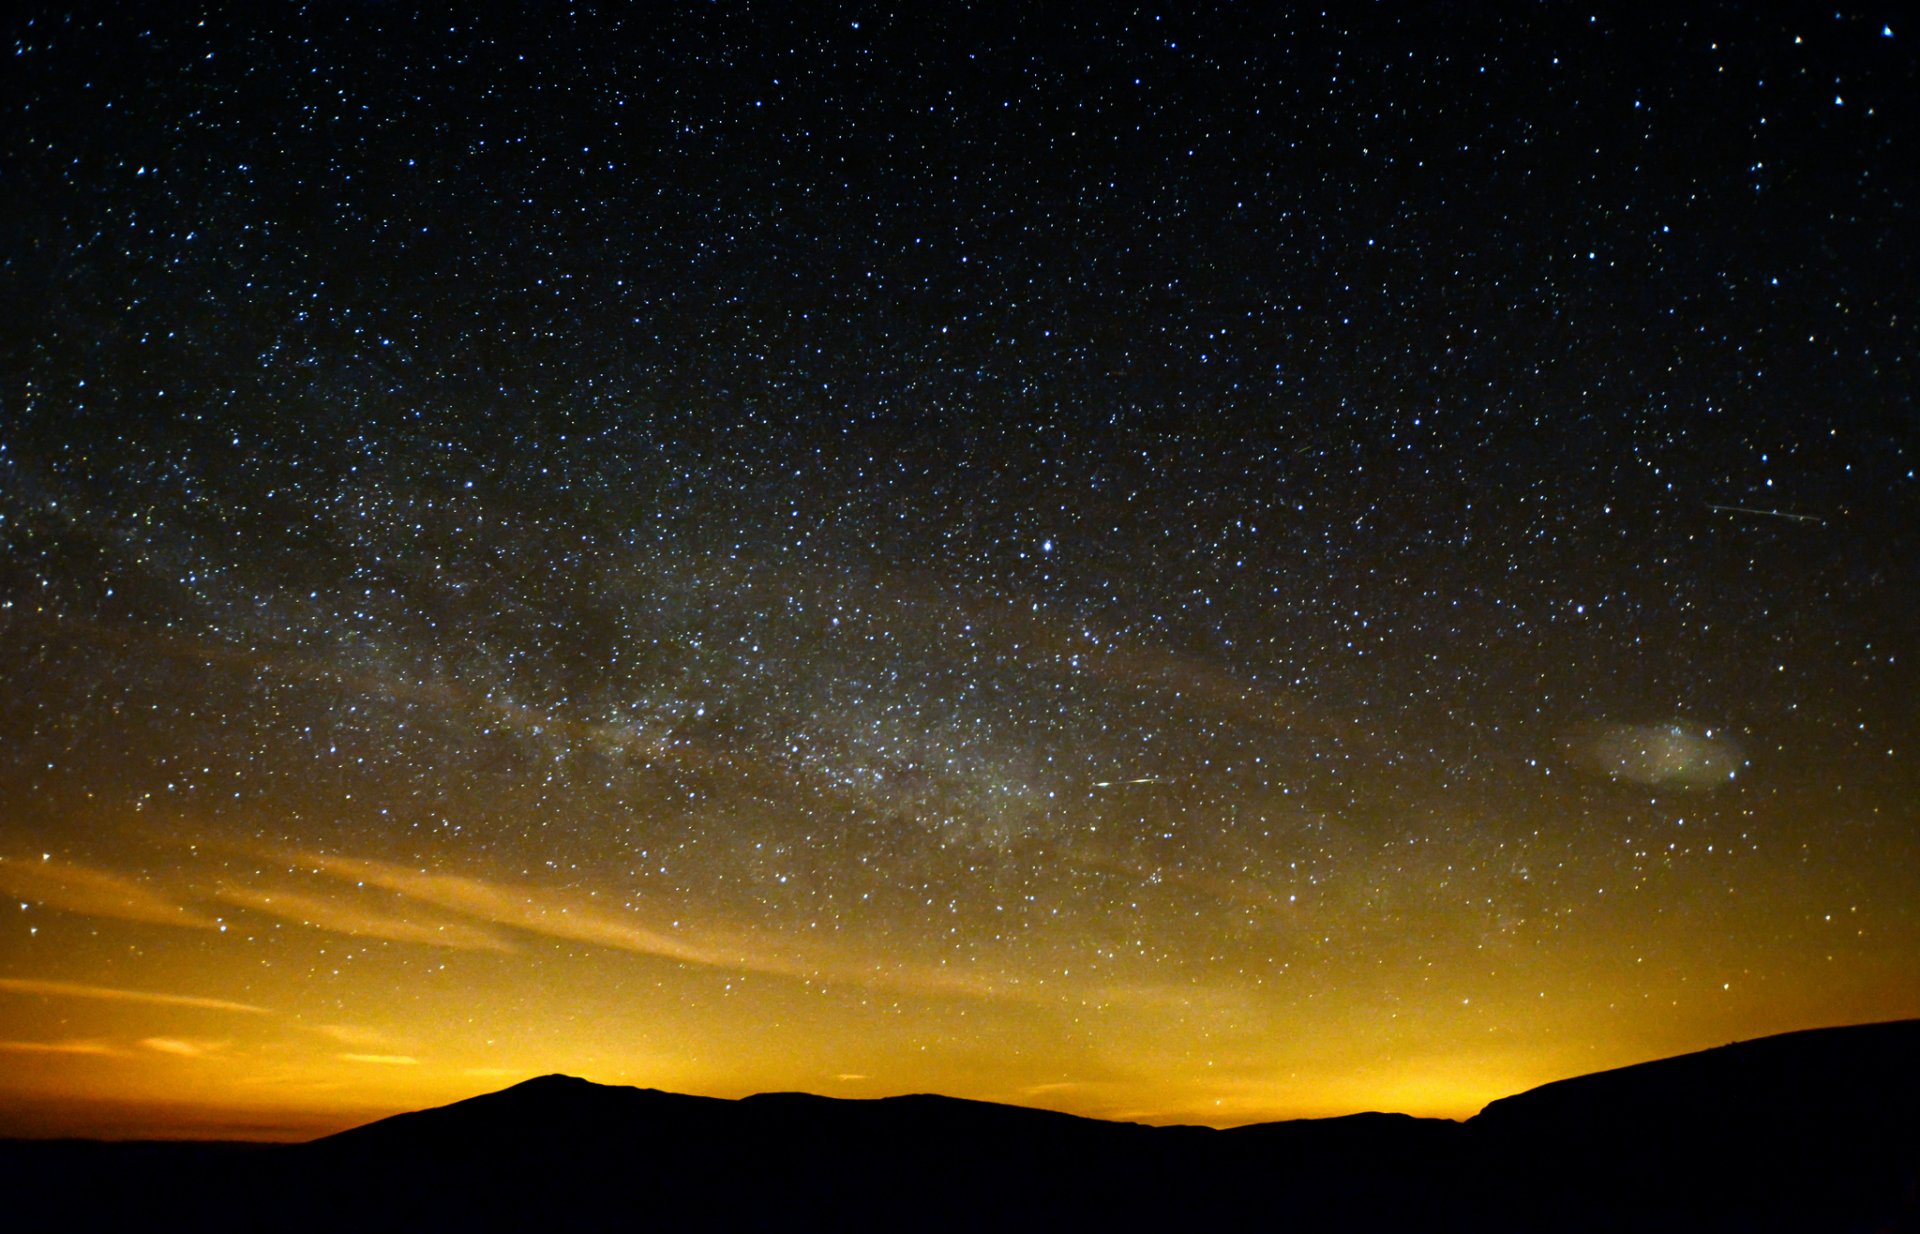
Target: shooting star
[1124,783]
[1798,518]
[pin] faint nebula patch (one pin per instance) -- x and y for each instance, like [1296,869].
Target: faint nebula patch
[1675,755]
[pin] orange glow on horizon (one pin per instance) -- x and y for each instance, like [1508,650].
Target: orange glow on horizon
[462,984]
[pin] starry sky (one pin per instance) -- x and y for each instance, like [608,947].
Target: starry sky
[1189,565]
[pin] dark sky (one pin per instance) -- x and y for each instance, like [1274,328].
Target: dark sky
[1179,565]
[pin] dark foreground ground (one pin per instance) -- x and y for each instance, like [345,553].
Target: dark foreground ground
[1813,1131]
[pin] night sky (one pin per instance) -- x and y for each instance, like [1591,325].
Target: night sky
[1183,567]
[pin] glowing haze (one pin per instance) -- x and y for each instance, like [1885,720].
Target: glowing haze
[1188,569]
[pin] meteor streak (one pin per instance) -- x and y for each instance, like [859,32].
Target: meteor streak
[1798,518]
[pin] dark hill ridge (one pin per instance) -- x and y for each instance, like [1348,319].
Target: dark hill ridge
[1769,1085]
[1807,1131]
[1803,1127]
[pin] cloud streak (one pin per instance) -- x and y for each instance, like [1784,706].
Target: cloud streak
[554,914]
[92,1049]
[182,1047]
[75,989]
[535,910]
[95,893]
[363,922]
[353,1036]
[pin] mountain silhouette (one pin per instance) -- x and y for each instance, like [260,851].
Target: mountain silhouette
[1812,1131]
[1796,1131]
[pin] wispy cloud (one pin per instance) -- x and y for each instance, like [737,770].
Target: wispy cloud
[94,1048]
[362,921]
[535,910]
[354,1036]
[75,989]
[76,888]
[1058,1086]
[575,918]
[183,1047]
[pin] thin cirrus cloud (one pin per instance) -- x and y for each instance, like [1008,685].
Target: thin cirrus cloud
[75,989]
[467,914]
[361,921]
[91,1049]
[182,1047]
[75,888]
[89,890]
[354,1037]
[521,908]
[554,914]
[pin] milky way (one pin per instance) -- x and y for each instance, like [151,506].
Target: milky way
[1182,567]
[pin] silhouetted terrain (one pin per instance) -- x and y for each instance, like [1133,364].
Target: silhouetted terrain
[1807,1131]
[1811,1130]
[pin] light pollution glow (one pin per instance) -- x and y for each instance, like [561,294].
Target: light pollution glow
[184,981]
